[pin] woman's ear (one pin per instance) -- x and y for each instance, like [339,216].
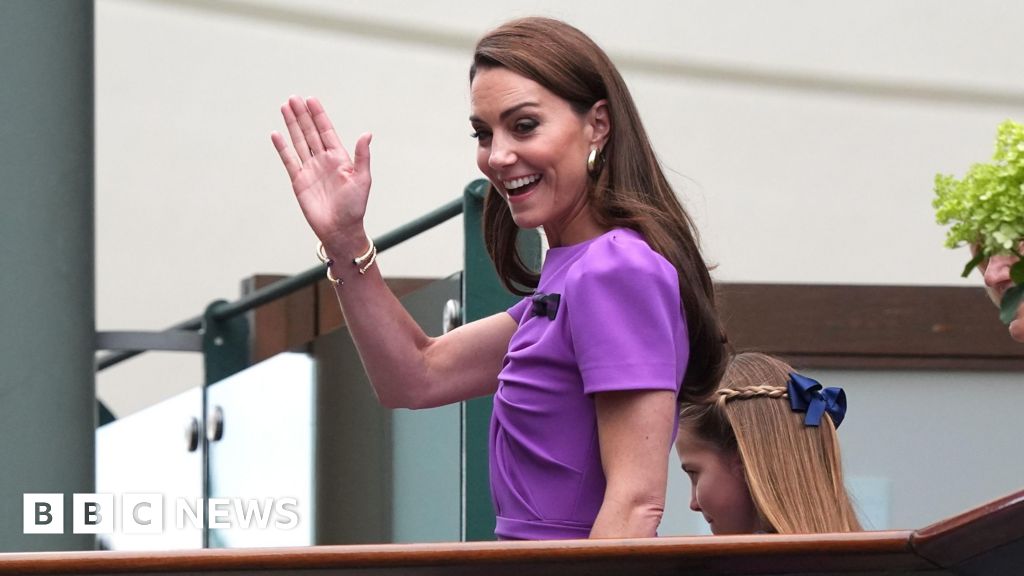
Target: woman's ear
[600,124]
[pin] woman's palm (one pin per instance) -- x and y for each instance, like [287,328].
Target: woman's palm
[331,188]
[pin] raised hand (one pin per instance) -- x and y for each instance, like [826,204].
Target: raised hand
[331,187]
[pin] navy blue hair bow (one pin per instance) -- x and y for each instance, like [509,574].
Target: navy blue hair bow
[807,395]
[545,304]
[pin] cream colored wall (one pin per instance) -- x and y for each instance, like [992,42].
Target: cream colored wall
[803,135]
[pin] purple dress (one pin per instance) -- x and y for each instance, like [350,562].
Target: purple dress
[618,326]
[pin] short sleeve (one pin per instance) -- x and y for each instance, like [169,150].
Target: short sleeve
[627,325]
[517,311]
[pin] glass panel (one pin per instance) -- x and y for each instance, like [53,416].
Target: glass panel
[261,459]
[147,453]
[385,475]
[426,457]
[933,444]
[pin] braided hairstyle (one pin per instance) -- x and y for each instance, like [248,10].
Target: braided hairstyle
[760,391]
[794,472]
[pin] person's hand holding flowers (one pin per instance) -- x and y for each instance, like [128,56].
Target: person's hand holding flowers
[986,210]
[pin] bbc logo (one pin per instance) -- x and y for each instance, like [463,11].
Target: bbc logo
[144,513]
[92,513]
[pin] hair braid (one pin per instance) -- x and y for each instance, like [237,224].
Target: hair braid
[748,392]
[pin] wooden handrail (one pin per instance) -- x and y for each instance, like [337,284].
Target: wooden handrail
[986,540]
[695,555]
[977,537]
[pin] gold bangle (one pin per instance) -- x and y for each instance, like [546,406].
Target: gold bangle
[321,254]
[362,262]
[332,279]
[373,258]
[370,253]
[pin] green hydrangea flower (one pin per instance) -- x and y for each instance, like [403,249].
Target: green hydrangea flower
[985,209]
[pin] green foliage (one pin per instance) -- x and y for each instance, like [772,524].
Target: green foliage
[1012,300]
[986,207]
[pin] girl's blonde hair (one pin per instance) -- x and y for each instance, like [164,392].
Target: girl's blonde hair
[794,472]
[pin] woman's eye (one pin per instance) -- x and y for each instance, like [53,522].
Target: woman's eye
[525,126]
[480,135]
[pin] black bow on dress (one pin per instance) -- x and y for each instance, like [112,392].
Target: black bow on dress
[545,304]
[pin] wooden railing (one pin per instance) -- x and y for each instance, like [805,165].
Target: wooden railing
[988,540]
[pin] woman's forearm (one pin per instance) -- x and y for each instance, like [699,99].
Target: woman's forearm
[391,344]
[635,432]
[407,368]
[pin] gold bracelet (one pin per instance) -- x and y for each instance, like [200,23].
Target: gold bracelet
[321,254]
[362,262]
[370,253]
[373,258]
[332,279]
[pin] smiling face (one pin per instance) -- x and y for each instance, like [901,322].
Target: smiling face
[533,147]
[718,488]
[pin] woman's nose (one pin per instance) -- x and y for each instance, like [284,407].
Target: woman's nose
[694,505]
[502,154]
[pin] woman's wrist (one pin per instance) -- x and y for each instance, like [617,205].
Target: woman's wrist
[348,245]
[335,257]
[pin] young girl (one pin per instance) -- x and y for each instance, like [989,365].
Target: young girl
[763,456]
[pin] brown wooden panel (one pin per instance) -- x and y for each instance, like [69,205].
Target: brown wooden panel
[878,327]
[990,535]
[284,324]
[854,362]
[812,326]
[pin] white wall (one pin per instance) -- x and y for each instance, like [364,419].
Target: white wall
[804,136]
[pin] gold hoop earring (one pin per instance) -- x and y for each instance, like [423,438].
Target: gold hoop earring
[594,162]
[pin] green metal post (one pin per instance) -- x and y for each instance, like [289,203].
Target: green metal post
[225,352]
[47,384]
[483,295]
[225,343]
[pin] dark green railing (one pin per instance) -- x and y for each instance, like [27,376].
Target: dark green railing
[224,311]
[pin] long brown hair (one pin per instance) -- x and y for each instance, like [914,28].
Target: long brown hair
[794,472]
[630,191]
